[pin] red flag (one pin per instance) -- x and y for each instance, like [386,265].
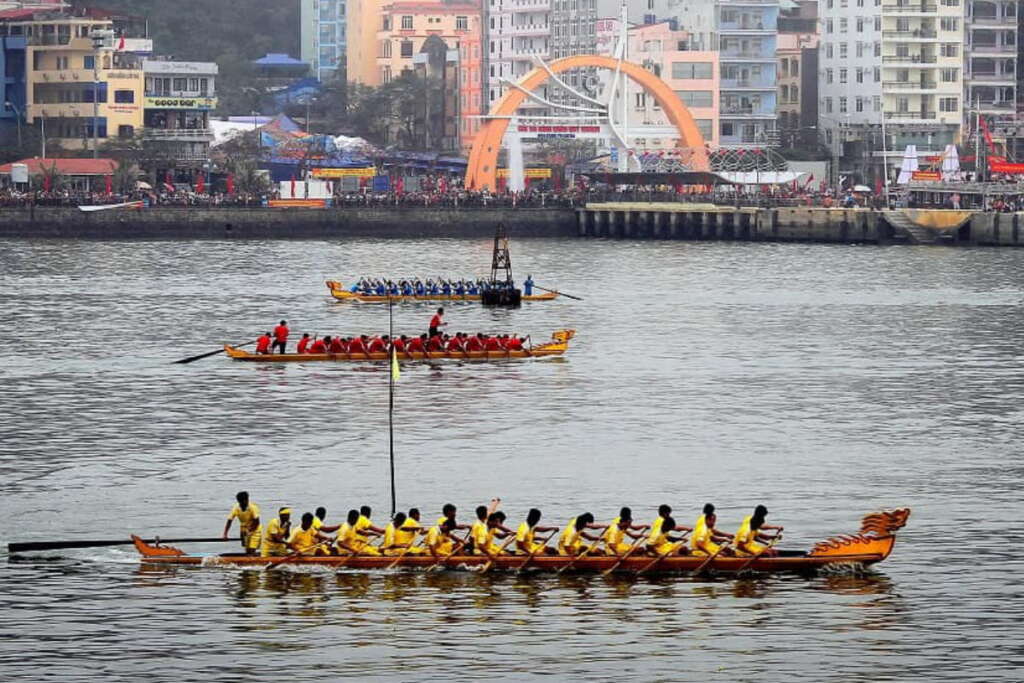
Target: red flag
[169,181]
[200,183]
[120,45]
[558,181]
[293,186]
[231,183]
[46,183]
[400,185]
[109,182]
[878,186]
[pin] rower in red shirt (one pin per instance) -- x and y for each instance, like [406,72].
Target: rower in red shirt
[320,345]
[378,345]
[455,343]
[474,343]
[436,343]
[399,343]
[357,345]
[281,336]
[263,343]
[303,343]
[337,345]
[515,343]
[492,344]
[417,344]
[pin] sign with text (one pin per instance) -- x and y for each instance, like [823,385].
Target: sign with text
[367,172]
[926,175]
[203,103]
[528,173]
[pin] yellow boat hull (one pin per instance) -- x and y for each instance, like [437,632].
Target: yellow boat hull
[558,346]
[339,292]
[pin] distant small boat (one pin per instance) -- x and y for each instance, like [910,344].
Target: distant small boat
[339,292]
[108,207]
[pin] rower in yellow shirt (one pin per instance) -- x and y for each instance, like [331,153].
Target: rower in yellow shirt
[655,527]
[350,541]
[483,536]
[306,540]
[705,539]
[525,543]
[440,542]
[364,527]
[615,535]
[746,542]
[396,541]
[665,544]
[248,515]
[319,522]
[407,531]
[570,541]
[275,539]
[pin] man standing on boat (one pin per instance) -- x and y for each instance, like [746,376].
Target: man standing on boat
[248,515]
[280,337]
[528,285]
[436,323]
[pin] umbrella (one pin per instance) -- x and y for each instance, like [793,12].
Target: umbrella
[861,188]
[142,185]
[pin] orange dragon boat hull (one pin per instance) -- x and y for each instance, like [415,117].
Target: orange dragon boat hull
[872,545]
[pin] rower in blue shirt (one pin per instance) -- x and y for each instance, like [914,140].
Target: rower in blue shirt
[446,288]
[528,285]
[406,288]
[460,288]
[473,289]
[420,289]
[379,289]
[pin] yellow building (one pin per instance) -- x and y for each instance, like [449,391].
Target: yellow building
[362,21]
[60,68]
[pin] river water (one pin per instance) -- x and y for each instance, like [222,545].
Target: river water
[822,381]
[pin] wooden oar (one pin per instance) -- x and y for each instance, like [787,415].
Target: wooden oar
[211,353]
[625,555]
[406,551]
[297,553]
[535,552]
[705,563]
[60,545]
[579,557]
[659,558]
[751,561]
[555,291]
[444,560]
[490,562]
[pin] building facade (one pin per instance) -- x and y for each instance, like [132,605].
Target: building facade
[323,36]
[80,96]
[796,52]
[179,97]
[991,62]
[746,31]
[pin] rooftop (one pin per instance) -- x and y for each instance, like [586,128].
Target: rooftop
[69,167]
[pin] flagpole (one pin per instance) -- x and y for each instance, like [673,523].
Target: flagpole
[391,400]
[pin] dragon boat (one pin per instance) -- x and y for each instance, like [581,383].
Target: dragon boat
[558,345]
[871,545]
[339,292]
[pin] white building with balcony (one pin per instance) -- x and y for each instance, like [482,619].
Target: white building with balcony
[322,27]
[990,64]
[179,97]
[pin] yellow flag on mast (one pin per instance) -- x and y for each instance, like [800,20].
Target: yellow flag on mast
[396,373]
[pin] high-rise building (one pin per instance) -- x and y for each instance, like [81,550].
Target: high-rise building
[897,65]
[323,27]
[796,51]
[990,64]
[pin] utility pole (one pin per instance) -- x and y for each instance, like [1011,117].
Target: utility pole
[98,40]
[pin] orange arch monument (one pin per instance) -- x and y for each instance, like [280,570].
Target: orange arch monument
[482,171]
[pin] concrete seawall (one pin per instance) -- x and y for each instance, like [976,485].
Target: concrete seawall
[259,223]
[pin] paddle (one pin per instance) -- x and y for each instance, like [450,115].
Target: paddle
[579,557]
[291,557]
[625,555]
[456,548]
[211,353]
[535,552]
[490,562]
[755,557]
[705,563]
[659,558]
[555,291]
[59,545]
[406,551]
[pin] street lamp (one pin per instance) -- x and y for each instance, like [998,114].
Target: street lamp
[10,105]
[99,40]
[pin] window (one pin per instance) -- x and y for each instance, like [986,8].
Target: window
[88,62]
[406,48]
[794,94]
[949,75]
[948,104]
[696,98]
[386,23]
[950,50]
[828,50]
[842,105]
[62,64]
[193,85]
[125,132]
[204,86]
[860,75]
[785,68]
[950,3]
[705,128]
[828,105]
[180,84]
[385,48]
[794,68]
[461,23]
[691,70]
[878,48]
[124,97]
[878,74]
[828,75]
[726,129]
[844,24]
[860,24]
[842,51]
[878,20]
[859,103]
[640,100]
[949,23]
[842,75]
[828,26]
[406,22]
[877,101]
[860,49]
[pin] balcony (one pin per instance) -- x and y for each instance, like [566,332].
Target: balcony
[754,55]
[1008,22]
[994,106]
[64,110]
[64,77]
[747,84]
[530,6]
[912,35]
[910,60]
[530,29]
[179,134]
[726,111]
[745,27]
[908,8]
[920,115]
[993,49]
[910,85]
[991,77]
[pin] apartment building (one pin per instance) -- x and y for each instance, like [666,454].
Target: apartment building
[323,27]
[179,97]
[990,64]
[81,94]
[796,52]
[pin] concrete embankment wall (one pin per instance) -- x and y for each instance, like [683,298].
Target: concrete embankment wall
[998,229]
[260,223]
